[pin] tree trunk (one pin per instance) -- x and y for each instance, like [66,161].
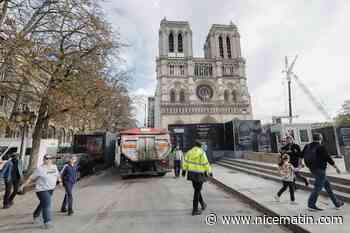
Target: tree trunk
[37,134]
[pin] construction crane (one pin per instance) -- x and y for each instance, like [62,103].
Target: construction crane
[309,94]
[288,71]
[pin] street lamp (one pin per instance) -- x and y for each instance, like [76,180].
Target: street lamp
[24,118]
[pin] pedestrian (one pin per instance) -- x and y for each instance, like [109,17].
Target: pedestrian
[45,177]
[197,167]
[316,158]
[17,175]
[69,178]
[295,158]
[173,157]
[6,174]
[287,172]
[177,161]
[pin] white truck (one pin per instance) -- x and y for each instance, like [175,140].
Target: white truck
[143,151]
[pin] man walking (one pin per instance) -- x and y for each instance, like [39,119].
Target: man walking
[177,161]
[69,177]
[16,176]
[295,158]
[6,174]
[316,158]
[198,169]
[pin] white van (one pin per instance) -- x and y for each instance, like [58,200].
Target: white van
[9,146]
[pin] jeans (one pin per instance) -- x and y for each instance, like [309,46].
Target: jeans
[177,164]
[8,187]
[197,196]
[68,197]
[44,206]
[287,184]
[320,182]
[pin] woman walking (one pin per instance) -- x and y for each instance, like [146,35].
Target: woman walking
[45,178]
[286,171]
[69,178]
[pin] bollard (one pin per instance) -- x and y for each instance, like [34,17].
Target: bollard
[347,158]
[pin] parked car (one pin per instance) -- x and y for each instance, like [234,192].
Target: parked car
[85,163]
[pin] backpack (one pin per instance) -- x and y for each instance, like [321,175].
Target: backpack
[310,156]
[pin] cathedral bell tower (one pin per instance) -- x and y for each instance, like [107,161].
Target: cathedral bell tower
[223,42]
[175,39]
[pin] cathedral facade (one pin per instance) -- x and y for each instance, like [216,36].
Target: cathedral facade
[209,89]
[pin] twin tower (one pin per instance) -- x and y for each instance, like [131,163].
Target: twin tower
[192,90]
[175,40]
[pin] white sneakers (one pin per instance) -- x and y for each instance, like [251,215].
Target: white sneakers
[293,203]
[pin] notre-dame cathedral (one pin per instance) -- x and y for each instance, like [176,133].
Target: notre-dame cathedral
[191,89]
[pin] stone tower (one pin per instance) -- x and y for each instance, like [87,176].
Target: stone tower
[212,89]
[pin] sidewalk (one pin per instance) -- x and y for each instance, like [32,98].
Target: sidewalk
[262,191]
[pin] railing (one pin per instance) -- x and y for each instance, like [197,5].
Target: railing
[230,69]
[176,108]
[203,70]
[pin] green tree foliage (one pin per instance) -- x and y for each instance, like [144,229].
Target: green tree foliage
[343,118]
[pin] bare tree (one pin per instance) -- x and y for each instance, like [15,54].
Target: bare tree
[58,53]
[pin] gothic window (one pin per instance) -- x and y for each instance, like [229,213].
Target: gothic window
[172,96]
[221,47]
[180,43]
[226,96]
[171,70]
[228,43]
[234,96]
[61,136]
[171,43]
[182,96]
[182,70]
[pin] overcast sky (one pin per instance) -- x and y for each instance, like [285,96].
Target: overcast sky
[316,30]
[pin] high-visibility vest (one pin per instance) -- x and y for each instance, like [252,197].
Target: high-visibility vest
[196,161]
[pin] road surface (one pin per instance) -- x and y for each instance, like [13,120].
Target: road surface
[105,203]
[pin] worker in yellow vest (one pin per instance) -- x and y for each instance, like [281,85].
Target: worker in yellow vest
[197,167]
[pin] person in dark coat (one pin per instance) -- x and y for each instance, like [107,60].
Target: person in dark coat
[295,157]
[16,176]
[6,174]
[197,167]
[69,178]
[318,169]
